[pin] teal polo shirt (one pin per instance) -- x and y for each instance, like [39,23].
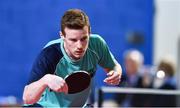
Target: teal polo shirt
[54,60]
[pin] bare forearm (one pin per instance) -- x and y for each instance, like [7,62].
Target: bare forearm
[33,91]
[118,68]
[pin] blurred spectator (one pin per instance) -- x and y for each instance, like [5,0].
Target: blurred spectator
[9,101]
[133,62]
[165,79]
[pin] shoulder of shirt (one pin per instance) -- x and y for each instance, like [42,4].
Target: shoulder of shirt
[46,61]
[96,42]
[95,36]
[52,48]
[56,41]
[96,39]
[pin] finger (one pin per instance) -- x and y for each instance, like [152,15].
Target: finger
[65,88]
[113,77]
[57,88]
[110,73]
[60,85]
[54,87]
[114,81]
[105,80]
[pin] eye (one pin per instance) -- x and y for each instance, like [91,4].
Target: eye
[84,38]
[73,40]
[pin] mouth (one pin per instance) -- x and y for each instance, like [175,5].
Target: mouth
[79,52]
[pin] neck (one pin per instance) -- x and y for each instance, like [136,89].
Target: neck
[69,54]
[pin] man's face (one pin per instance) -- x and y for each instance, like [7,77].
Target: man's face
[76,42]
[131,67]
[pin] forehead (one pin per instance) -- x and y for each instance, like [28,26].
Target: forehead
[76,32]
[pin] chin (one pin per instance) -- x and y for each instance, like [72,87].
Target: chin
[78,57]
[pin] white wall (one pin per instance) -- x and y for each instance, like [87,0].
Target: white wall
[166,28]
[167,31]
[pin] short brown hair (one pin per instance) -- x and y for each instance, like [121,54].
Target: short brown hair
[167,66]
[74,19]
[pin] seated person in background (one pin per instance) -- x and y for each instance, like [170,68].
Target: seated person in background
[134,60]
[165,79]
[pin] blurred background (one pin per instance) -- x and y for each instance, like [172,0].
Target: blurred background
[151,27]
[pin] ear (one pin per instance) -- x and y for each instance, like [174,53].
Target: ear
[61,35]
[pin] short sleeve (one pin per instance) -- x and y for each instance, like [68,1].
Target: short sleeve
[106,59]
[45,63]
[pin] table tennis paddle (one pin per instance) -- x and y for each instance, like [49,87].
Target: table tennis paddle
[77,81]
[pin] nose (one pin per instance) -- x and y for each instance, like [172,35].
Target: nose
[79,45]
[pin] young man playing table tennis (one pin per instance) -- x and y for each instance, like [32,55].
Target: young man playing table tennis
[76,50]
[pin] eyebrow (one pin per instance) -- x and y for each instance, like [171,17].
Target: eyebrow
[84,37]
